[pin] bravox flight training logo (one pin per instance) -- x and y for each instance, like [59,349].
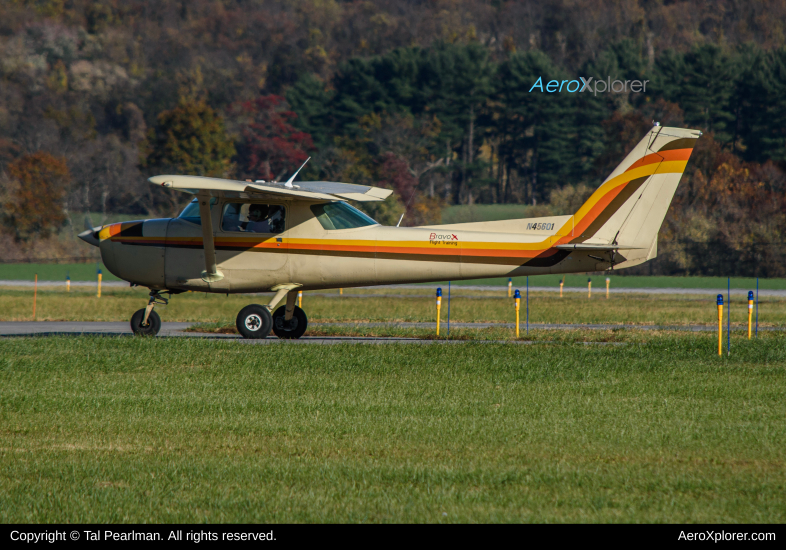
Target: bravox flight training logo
[447,238]
[591,84]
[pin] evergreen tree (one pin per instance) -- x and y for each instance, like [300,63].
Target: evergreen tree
[312,103]
[702,85]
[537,127]
[761,95]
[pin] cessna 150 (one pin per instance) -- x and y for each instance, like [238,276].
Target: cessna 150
[243,237]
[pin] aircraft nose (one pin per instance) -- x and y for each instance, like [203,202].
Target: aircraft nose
[90,236]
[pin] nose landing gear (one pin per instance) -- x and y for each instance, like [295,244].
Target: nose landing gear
[146,322]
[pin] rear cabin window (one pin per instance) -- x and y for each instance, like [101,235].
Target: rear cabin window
[340,215]
[191,212]
[253,218]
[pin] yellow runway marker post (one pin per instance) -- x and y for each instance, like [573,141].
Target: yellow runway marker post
[341,291]
[300,299]
[439,307]
[35,294]
[750,312]
[510,286]
[561,283]
[68,283]
[98,295]
[608,281]
[589,288]
[517,298]
[720,324]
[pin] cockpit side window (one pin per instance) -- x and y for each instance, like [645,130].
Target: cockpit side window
[191,212]
[340,215]
[253,218]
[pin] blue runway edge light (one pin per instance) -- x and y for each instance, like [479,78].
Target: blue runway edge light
[720,299]
[517,294]
[439,292]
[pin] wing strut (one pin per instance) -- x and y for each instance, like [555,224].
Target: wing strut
[211,274]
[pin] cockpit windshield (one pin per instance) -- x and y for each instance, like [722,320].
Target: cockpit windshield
[340,215]
[191,212]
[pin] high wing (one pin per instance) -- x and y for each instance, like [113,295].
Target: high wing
[308,190]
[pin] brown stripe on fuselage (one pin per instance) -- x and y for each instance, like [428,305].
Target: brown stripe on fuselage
[548,258]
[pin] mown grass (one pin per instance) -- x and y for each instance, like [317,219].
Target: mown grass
[154,430]
[391,305]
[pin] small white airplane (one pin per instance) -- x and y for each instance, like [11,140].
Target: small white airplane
[242,237]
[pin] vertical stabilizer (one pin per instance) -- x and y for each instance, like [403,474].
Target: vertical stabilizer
[629,207]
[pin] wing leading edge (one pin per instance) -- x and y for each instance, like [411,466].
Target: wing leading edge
[308,190]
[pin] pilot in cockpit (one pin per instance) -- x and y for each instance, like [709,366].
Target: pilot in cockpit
[258,219]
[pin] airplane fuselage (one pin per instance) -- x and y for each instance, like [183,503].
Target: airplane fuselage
[169,253]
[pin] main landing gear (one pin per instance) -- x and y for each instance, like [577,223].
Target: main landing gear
[146,322]
[288,322]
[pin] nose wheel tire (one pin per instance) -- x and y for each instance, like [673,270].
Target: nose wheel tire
[151,328]
[294,328]
[254,321]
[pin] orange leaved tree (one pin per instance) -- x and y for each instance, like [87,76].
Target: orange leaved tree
[33,199]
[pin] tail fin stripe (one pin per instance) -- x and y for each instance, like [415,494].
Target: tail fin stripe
[593,225]
[677,154]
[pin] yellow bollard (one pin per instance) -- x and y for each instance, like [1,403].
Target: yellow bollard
[589,288]
[720,324]
[300,299]
[35,294]
[439,308]
[517,297]
[341,291]
[510,286]
[99,284]
[750,312]
[607,287]
[560,288]
[68,283]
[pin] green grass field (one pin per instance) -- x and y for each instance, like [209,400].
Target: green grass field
[54,272]
[87,272]
[162,430]
[409,305]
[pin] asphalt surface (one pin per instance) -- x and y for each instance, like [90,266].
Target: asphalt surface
[171,329]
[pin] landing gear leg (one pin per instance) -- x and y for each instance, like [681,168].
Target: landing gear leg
[146,322]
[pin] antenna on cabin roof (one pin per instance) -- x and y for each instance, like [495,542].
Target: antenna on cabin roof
[290,180]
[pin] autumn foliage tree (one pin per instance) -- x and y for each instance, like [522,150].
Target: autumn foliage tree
[33,197]
[190,139]
[270,145]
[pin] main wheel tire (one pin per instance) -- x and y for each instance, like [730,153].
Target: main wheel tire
[254,321]
[294,328]
[153,323]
